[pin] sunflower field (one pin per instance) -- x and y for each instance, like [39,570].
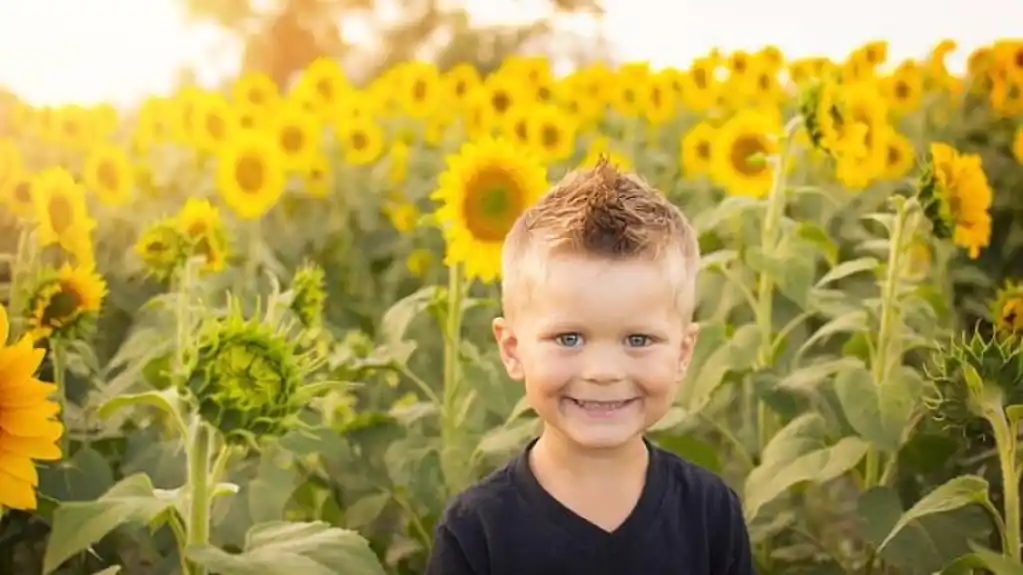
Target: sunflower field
[247,329]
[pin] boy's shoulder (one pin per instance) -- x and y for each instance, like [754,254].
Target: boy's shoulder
[691,487]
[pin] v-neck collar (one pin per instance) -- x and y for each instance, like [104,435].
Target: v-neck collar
[581,529]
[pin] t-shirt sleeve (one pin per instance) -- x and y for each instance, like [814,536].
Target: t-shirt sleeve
[733,555]
[447,556]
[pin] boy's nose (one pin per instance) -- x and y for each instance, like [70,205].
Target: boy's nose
[603,369]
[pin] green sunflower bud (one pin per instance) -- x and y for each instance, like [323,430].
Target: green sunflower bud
[309,295]
[247,377]
[974,375]
[163,249]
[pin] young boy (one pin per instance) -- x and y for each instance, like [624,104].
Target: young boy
[599,282]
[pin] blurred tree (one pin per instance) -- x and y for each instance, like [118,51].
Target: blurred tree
[281,37]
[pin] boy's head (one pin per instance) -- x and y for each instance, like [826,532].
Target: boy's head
[599,281]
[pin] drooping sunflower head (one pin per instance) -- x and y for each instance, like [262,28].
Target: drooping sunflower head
[1007,310]
[309,294]
[974,374]
[64,303]
[246,376]
[163,249]
[486,186]
[203,230]
[956,197]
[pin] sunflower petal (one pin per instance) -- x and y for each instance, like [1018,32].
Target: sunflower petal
[37,448]
[20,467]
[15,493]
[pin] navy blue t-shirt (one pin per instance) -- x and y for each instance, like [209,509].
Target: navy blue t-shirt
[687,522]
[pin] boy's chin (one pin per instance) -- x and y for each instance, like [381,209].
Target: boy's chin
[598,438]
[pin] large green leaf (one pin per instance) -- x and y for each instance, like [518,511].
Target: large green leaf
[983,559]
[796,454]
[283,548]
[737,354]
[879,414]
[397,319]
[848,268]
[79,524]
[927,544]
[955,493]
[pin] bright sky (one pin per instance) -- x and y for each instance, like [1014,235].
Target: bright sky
[54,51]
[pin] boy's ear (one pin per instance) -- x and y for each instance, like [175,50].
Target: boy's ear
[508,346]
[688,344]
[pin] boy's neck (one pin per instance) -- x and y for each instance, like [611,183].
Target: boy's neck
[553,452]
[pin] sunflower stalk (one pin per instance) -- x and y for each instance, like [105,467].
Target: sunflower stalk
[200,444]
[765,285]
[889,349]
[59,365]
[1006,439]
[452,462]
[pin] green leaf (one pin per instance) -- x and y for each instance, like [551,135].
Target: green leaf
[806,378]
[955,493]
[718,259]
[397,319]
[79,524]
[736,355]
[818,238]
[983,559]
[365,510]
[726,209]
[168,400]
[796,454]
[83,477]
[1015,414]
[878,414]
[112,570]
[791,267]
[283,548]
[851,322]
[846,269]
[925,546]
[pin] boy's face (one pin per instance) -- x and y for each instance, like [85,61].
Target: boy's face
[601,347]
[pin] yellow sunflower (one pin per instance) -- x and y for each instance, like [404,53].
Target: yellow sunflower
[957,197]
[29,429]
[697,150]
[60,209]
[108,173]
[323,84]
[213,123]
[502,92]
[419,89]
[65,302]
[256,89]
[482,191]
[318,177]
[250,174]
[742,154]
[200,224]
[551,133]
[17,195]
[298,137]
[11,164]
[899,158]
[362,140]
[460,81]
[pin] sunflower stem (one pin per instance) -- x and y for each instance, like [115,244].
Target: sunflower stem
[198,461]
[58,363]
[888,350]
[17,274]
[765,285]
[452,463]
[1006,440]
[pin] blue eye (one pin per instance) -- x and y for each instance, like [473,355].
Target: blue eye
[637,340]
[568,339]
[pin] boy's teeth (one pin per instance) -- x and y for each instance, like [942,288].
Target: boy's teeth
[600,404]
